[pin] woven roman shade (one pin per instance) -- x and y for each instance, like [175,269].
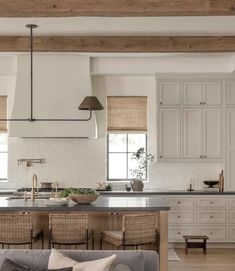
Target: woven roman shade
[127,113]
[3,113]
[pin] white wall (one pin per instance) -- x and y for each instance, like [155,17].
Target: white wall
[81,162]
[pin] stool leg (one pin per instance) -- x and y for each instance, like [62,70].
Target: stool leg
[186,247]
[204,246]
[101,240]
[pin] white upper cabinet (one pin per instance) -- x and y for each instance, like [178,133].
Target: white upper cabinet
[192,93]
[212,133]
[169,93]
[212,91]
[169,133]
[231,92]
[202,93]
[193,135]
[231,148]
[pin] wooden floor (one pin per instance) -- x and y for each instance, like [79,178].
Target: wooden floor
[215,260]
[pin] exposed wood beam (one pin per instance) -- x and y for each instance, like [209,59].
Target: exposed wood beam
[122,44]
[69,8]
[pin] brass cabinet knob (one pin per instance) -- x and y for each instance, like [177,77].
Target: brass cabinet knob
[211,216]
[179,233]
[179,202]
[179,216]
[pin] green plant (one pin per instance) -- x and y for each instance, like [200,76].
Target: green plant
[142,162]
[65,193]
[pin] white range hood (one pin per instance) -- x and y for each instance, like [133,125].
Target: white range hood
[60,84]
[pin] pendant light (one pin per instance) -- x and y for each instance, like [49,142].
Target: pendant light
[89,103]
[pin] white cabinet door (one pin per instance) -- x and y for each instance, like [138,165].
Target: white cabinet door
[212,92]
[193,135]
[192,93]
[169,132]
[231,92]
[212,133]
[231,148]
[169,93]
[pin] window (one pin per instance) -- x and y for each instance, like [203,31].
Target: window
[3,140]
[120,148]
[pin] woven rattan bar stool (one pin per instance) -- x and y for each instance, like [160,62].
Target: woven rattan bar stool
[17,229]
[70,229]
[136,230]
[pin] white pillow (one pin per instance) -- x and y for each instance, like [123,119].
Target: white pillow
[59,260]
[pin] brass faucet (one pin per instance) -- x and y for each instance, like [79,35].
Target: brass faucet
[34,184]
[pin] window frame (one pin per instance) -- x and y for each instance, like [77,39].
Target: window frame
[119,180]
[4,180]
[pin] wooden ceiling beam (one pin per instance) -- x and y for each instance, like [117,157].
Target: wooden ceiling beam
[122,44]
[117,8]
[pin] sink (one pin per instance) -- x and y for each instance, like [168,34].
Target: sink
[28,198]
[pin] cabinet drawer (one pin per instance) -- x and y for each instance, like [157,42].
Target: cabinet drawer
[231,202]
[181,217]
[176,232]
[180,203]
[231,232]
[211,216]
[214,232]
[231,216]
[211,202]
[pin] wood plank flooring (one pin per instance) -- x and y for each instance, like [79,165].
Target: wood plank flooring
[215,260]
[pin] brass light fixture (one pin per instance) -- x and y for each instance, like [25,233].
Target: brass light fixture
[89,103]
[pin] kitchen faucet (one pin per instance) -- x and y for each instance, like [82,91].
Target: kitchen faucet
[34,184]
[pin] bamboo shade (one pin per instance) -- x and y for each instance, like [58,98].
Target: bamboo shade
[3,113]
[127,113]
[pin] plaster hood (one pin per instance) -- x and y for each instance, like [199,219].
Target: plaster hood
[60,84]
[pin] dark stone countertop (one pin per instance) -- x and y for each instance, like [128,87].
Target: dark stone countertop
[102,204]
[162,193]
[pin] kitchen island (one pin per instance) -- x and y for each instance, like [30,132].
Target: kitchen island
[103,214]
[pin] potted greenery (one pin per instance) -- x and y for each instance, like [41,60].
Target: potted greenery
[142,162]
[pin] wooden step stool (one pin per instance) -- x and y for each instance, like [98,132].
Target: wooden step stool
[193,244]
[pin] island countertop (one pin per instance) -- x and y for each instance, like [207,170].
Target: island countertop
[102,204]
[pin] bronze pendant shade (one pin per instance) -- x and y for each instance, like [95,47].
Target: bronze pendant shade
[89,103]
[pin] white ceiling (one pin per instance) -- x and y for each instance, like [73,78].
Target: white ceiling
[223,25]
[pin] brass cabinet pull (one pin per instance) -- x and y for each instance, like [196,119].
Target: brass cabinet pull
[179,202]
[179,216]
[211,202]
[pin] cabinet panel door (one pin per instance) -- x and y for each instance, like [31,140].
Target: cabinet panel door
[214,232]
[176,232]
[231,232]
[181,217]
[211,202]
[169,132]
[169,93]
[211,216]
[212,133]
[180,203]
[192,93]
[213,92]
[231,93]
[231,147]
[193,136]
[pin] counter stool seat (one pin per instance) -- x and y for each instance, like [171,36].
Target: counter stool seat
[70,229]
[17,229]
[136,230]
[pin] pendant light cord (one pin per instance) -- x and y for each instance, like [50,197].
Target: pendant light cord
[31,72]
